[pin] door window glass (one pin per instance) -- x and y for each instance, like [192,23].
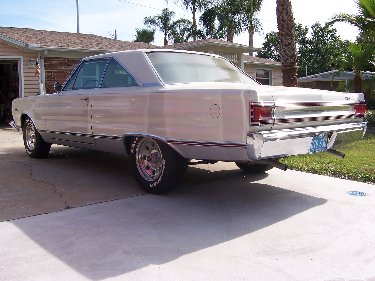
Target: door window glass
[116,76]
[69,83]
[89,75]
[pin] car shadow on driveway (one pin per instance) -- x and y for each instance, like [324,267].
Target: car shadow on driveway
[110,239]
[72,177]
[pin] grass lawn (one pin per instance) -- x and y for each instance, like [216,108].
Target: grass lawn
[358,164]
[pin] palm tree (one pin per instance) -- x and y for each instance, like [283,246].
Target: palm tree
[181,31]
[362,53]
[359,57]
[225,17]
[288,52]
[194,6]
[163,22]
[144,35]
[211,27]
[365,20]
[251,8]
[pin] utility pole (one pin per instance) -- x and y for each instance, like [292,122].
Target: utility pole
[77,16]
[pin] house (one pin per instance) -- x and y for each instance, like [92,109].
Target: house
[32,60]
[330,80]
[265,71]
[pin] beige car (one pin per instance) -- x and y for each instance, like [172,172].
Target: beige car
[168,109]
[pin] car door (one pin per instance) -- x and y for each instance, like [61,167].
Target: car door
[68,113]
[119,104]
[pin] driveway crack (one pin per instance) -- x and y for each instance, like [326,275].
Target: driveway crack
[54,188]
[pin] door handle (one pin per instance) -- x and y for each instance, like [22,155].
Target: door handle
[85,99]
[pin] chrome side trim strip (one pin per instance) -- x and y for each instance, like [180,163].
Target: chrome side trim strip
[82,135]
[207,144]
[72,141]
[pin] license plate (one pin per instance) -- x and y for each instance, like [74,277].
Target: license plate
[318,143]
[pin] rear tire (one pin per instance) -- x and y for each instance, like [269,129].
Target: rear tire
[34,144]
[253,168]
[157,167]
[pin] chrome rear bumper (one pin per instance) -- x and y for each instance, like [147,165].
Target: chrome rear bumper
[286,142]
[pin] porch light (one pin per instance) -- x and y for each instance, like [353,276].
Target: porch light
[32,62]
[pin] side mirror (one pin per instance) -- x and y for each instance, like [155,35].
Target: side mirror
[57,86]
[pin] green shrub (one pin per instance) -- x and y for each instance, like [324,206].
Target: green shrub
[370,118]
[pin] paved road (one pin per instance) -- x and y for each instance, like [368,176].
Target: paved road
[220,225]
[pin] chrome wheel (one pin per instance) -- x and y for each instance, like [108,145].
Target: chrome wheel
[30,135]
[149,160]
[34,144]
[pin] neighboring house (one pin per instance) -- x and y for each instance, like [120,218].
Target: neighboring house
[265,71]
[32,60]
[330,80]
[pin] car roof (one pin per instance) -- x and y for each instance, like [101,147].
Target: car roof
[119,53]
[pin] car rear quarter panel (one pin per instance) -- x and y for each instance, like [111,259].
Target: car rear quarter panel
[200,115]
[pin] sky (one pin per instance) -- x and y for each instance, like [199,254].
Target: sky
[103,17]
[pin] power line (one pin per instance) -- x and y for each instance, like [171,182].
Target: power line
[148,7]
[140,5]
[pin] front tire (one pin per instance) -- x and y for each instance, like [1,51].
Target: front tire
[253,168]
[157,167]
[34,144]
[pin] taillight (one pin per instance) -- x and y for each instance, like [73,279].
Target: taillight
[360,109]
[265,113]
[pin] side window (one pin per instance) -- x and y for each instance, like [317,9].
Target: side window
[89,75]
[116,76]
[69,83]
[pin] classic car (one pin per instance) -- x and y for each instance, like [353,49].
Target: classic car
[167,109]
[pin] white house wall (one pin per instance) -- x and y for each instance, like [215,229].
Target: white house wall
[28,80]
[277,77]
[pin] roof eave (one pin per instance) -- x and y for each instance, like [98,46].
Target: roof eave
[223,44]
[263,63]
[12,41]
[58,49]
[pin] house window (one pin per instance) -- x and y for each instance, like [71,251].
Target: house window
[264,76]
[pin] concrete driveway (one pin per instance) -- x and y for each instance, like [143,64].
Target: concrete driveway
[220,225]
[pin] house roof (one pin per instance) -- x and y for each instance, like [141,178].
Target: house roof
[192,44]
[336,75]
[260,61]
[210,43]
[43,39]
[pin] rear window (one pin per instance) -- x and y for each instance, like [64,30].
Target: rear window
[188,67]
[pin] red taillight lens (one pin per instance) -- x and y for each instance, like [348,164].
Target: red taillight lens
[260,113]
[360,109]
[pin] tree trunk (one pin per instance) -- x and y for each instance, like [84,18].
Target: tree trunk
[288,52]
[230,35]
[165,40]
[357,81]
[251,40]
[194,26]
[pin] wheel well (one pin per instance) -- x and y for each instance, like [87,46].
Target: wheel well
[23,118]
[127,142]
[129,138]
